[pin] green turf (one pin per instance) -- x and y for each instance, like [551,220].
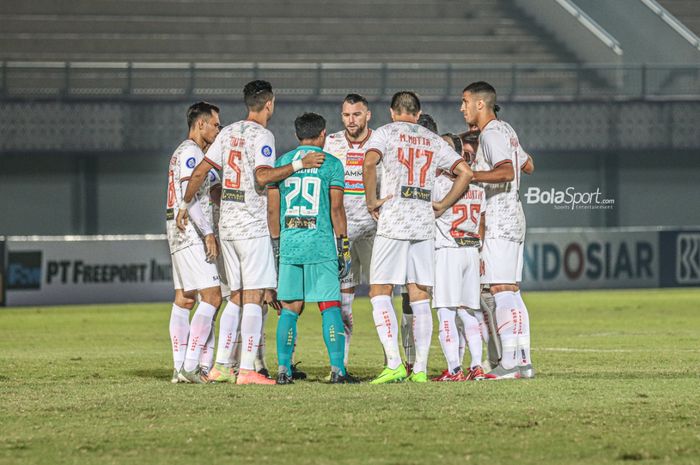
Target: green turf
[618,380]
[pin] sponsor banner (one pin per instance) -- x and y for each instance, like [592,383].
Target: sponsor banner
[680,258]
[54,271]
[591,259]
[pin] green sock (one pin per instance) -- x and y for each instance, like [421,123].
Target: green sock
[286,335]
[334,337]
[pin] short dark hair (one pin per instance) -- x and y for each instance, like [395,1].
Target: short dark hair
[428,122]
[405,102]
[355,98]
[256,94]
[199,109]
[309,126]
[483,87]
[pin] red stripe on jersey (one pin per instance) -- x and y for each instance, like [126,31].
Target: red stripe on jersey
[272,186]
[454,165]
[218,167]
[381,155]
[502,163]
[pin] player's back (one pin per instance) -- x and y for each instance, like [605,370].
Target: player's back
[306,229]
[239,149]
[410,156]
[458,226]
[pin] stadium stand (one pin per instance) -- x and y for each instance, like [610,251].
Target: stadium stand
[686,11]
[424,31]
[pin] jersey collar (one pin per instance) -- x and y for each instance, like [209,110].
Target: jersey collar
[360,143]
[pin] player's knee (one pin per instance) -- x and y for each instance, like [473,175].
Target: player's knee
[212,297]
[253,296]
[184,302]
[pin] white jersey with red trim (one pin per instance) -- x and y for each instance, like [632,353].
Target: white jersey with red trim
[352,154]
[498,144]
[182,163]
[459,225]
[411,154]
[239,150]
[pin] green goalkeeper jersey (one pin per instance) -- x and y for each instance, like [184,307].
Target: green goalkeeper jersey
[306,234]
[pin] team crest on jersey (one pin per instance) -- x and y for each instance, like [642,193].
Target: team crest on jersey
[212,176]
[190,162]
[266,151]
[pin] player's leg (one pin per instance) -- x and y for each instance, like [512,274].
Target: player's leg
[500,259]
[180,328]
[471,293]
[290,291]
[525,362]
[474,342]
[419,282]
[409,348]
[206,358]
[492,339]
[229,322]
[447,294]
[387,267]
[347,296]
[462,339]
[260,364]
[257,275]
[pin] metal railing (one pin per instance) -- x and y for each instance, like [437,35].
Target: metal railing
[321,81]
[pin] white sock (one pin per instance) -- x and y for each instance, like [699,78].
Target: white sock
[462,338]
[473,335]
[260,355]
[387,328]
[199,332]
[483,325]
[506,319]
[422,333]
[449,337]
[228,333]
[524,331]
[179,329]
[346,312]
[251,325]
[207,355]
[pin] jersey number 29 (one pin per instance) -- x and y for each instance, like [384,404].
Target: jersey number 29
[310,190]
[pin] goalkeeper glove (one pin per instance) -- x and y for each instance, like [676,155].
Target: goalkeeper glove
[344,260]
[276,252]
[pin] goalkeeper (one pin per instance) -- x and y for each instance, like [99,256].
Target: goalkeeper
[311,257]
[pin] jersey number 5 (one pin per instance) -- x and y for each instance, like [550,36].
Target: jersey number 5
[409,161]
[310,190]
[234,182]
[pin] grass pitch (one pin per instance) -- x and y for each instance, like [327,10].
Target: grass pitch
[617,380]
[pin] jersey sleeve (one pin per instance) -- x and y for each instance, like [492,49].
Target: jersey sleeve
[378,141]
[495,148]
[265,150]
[447,158]
[337,174]
[215,155]
[214,177]
[189,158]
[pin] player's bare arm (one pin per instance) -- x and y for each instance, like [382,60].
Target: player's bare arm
[463,176]
[273,212]
[199,174]
[529,166]
[369,177]
[501,173]
[265,175]
[338,219]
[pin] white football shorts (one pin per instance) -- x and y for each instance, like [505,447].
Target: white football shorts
[457,278]
[503,261]
[192,271]
[361,255]
[249,263]
[399,262]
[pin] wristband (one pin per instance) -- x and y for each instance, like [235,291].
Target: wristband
[297,165]
[184,205]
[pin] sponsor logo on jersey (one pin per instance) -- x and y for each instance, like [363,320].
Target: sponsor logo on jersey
[232,195]
[467,241]
[355,159]
[299,222]
[410,192]
[170,214]
[354,188]
[266,151]
[190,162]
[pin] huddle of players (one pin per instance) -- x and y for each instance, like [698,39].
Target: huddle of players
[420,227]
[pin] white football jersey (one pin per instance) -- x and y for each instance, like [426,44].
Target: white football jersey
[498,144]
[214,180]
[240,149]
[459,225]
[411,154]
[352,154]
[182,163]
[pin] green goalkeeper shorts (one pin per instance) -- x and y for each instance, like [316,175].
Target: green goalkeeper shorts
[317,282]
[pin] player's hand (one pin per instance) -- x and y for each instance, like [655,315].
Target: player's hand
[374,208]
[313,160]
[211,246]
[438,209]
[276,252]
[271,299]
[344,260]
[181,220]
